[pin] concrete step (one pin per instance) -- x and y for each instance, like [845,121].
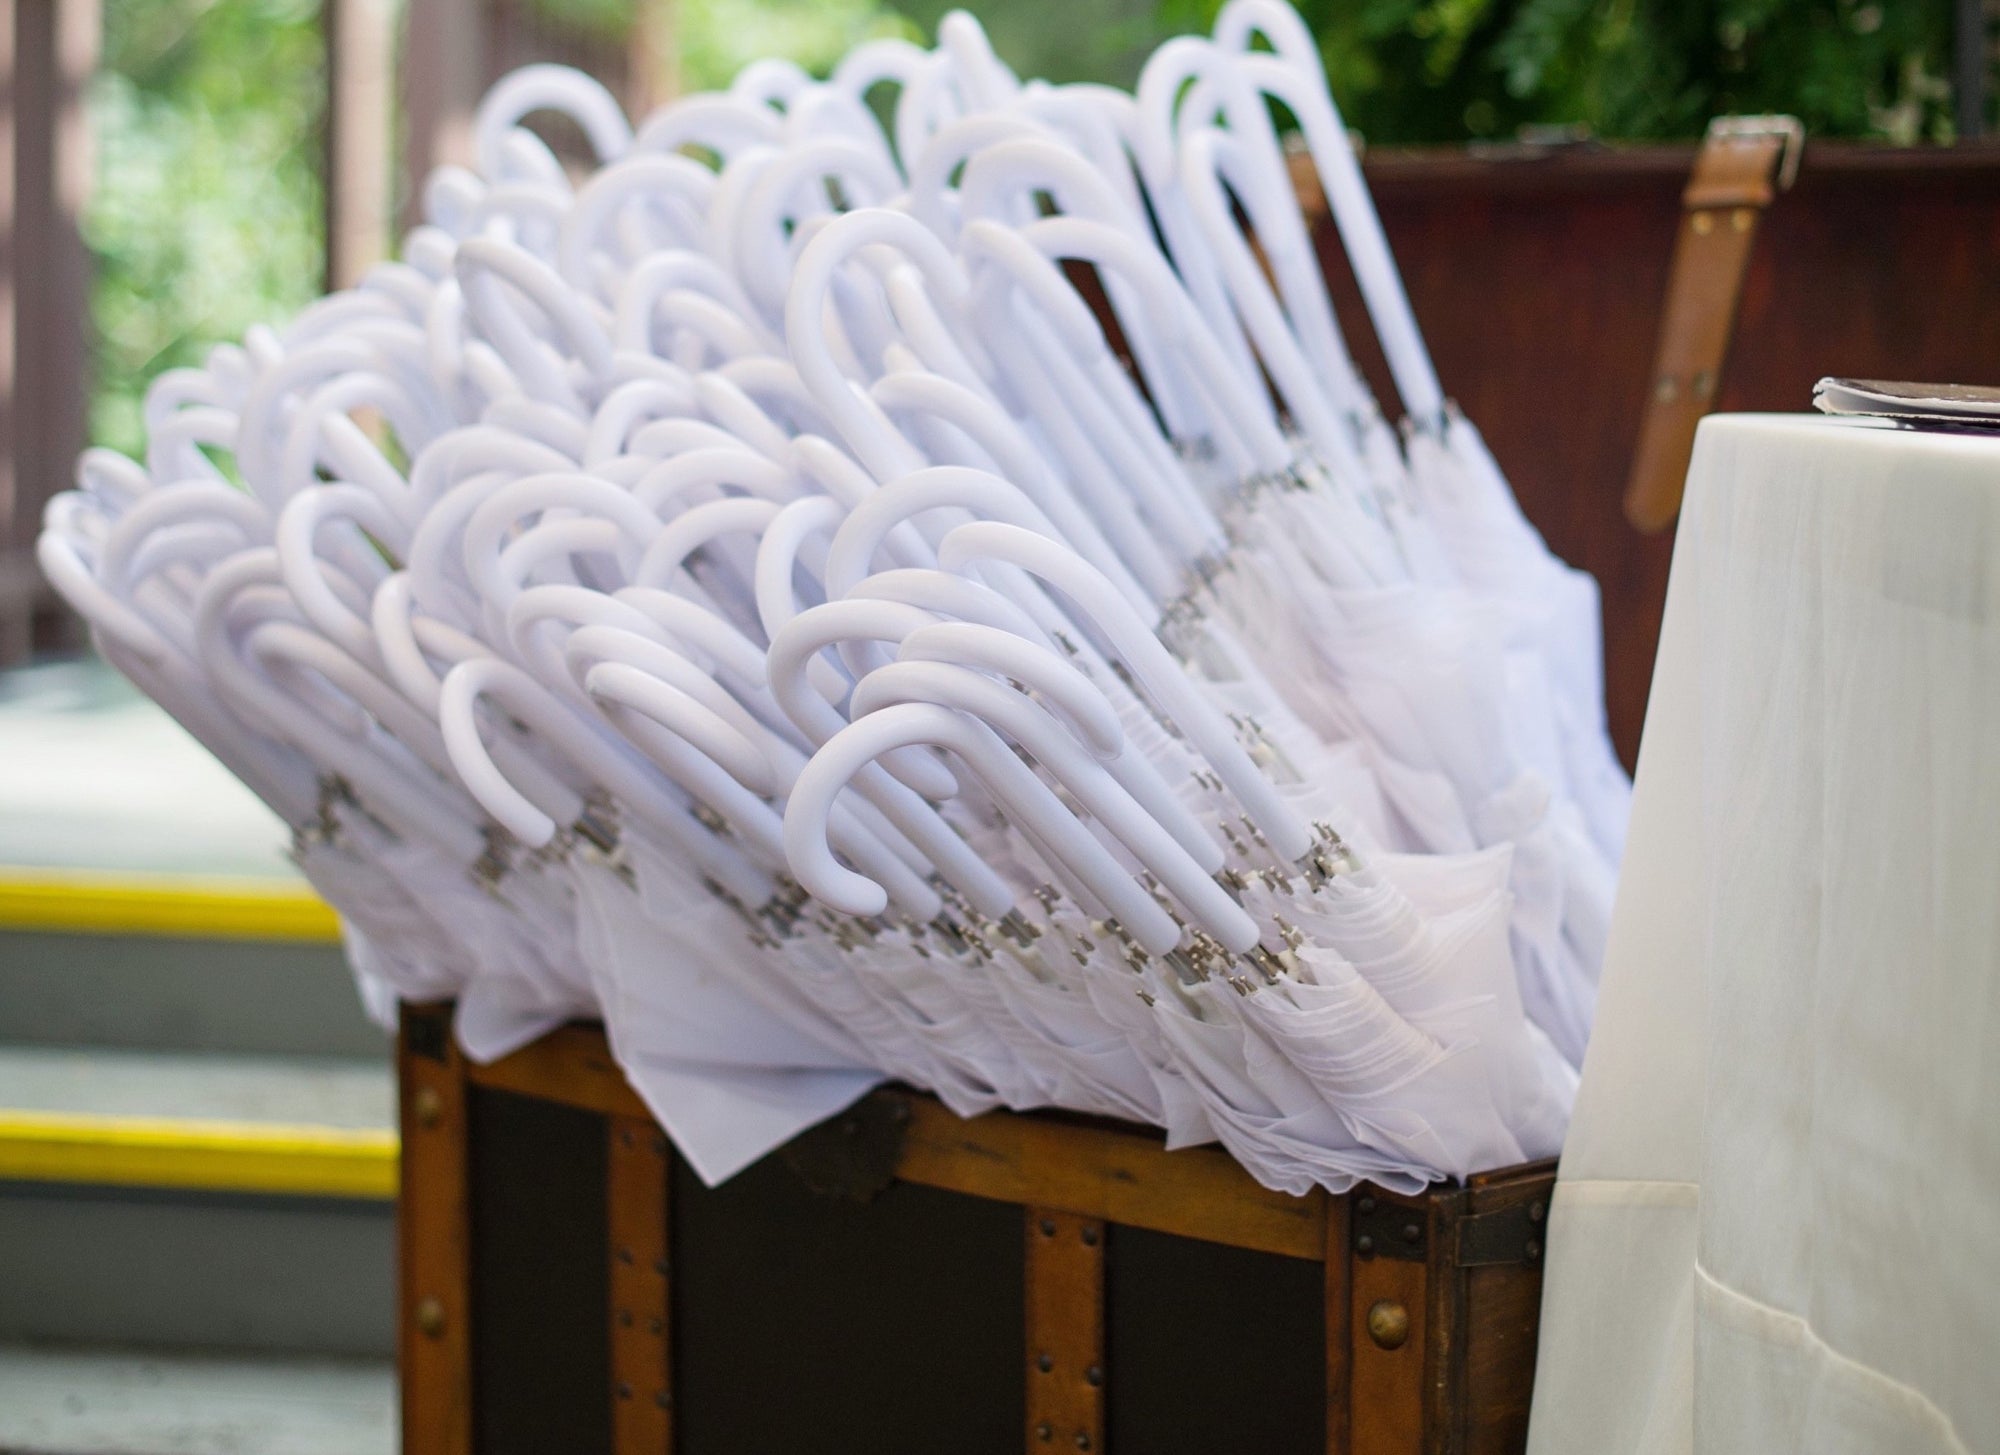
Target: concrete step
[191,1200]
[145,897]
[84,984]
[197,1135]
[94,776]
[67,1401]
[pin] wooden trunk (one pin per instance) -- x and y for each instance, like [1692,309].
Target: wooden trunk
[899,1280]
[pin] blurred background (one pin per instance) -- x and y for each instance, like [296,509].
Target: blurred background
[181,169]
[219,139]
[175,171]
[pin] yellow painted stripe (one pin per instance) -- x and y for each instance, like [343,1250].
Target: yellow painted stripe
[168,905]
[212,1156]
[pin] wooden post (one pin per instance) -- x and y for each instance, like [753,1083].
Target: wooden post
[1065,1328]
[434,1230]
[1339,1353]
[641,1333]
[444,67]
[653,73]
[12,644]
[360,56]
[55,50]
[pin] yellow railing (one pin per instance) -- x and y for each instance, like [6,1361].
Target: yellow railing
[212,1156]
[61,901]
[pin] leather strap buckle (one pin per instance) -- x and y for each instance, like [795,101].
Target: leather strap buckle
[1788,129]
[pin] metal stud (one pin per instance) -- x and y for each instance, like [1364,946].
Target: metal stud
[1045,1432]
[430,1317]
[1082,1439]
[1388,1324]
[1089,1236]
[1093,1376]
[428,1106]
[1044,1363]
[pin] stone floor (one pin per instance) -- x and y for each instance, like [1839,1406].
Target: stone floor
[56,1401]
[93,776]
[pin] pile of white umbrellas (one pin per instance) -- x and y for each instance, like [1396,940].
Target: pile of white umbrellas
[930,600]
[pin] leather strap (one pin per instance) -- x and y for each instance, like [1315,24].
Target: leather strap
[1736,174]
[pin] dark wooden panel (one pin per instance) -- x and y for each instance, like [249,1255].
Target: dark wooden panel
[806,1322]
[1212,1350]
[540,1298]
[1334,1331]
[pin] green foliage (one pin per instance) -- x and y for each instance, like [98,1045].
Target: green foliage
[718,38]
[1453,70]
[206,213]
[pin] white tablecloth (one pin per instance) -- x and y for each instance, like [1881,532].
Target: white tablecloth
[1778,1222]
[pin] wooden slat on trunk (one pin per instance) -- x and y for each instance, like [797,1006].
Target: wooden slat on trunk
[433,1227]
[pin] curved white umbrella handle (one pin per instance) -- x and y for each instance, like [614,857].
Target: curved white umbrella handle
[1099,790]
[1298,78]
[408,640]
[810,633]
[1019,462]
[986,80]
[1070,694]
[936,487]
[1204,724]
[799,643]
[1010,781]
[299,525]
[484,264]
[631,404]
[665,183]
[722,124]
[548,88]
[865,429]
